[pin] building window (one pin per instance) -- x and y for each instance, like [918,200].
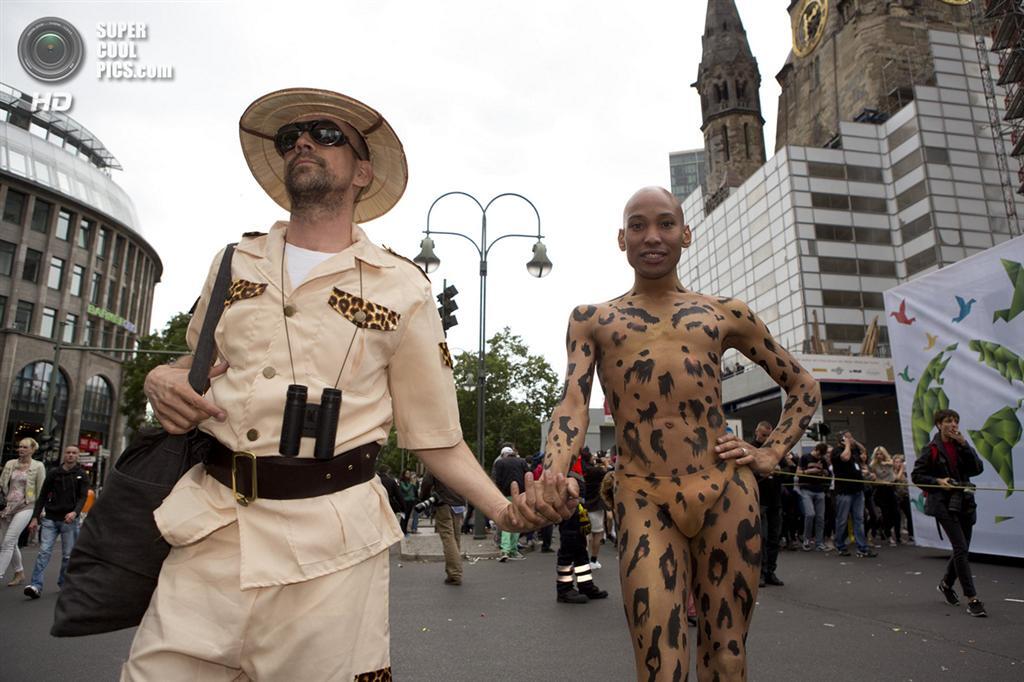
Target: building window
[111,295]
[852,299]
[7,251]
[868,205]
[70,328]
[103,244]
[23,316]
[96,288]
[131,259]
[725,141]
[746,138]
[33,264]
[853,333]
[3,310]
[863,174]
[85,233]
[837,266]
[868,235]
[911,196]
[876,268]
[14,207]
[41,216]
[98,401]
[48,322]
[936,155]
[118,251]
[834,201]
[906,164]
[88,331]
[915,228]
[108,335]
[32,387]
[63,225]
[77,276]
[903,133]
[123,311]
[818,169]
[56,277]
[833,233]
[921,261]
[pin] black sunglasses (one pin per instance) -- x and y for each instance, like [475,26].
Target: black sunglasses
[323,132]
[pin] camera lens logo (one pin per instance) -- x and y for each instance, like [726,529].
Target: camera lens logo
[50,49]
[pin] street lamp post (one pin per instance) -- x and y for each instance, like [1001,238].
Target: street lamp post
[538,266]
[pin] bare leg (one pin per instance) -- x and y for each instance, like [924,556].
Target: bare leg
[726,562]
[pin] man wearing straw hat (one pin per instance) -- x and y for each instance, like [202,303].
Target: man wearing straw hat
[278,568]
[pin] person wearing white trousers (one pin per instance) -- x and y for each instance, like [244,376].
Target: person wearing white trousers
[21,480]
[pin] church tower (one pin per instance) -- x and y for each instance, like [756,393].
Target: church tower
[859,60]
[729,83]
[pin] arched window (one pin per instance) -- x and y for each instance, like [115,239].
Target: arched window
[32,386]
[725,141]
[98,405]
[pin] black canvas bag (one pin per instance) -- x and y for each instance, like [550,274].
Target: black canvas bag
[116,561]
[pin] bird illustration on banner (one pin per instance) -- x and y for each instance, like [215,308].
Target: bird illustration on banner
[932,338]
[905,375]
[901,314]
[965,309]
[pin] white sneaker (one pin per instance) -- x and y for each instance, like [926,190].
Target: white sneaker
[594,565]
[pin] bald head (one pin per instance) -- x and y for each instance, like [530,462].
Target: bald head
[647,194]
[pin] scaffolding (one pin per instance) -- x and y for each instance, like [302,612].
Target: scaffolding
[1007,36]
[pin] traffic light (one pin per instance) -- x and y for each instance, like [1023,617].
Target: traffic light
[448,307]
[819,431]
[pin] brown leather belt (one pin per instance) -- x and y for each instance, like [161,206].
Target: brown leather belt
[289,478]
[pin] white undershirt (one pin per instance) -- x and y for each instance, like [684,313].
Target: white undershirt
[301,261]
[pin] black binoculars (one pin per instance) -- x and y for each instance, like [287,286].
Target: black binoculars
[304,420]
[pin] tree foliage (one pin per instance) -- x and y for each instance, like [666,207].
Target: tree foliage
[133,399]
[522,389]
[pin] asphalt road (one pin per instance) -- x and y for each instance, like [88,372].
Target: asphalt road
[836,619]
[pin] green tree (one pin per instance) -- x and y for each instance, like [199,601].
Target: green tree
[133,399]
[522,389]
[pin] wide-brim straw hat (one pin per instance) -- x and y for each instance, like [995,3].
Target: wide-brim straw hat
[263,117]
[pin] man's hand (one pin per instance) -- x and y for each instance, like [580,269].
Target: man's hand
[551,499]
[177,407]
[760,460]
[33,524]
[70,516]
[946,483]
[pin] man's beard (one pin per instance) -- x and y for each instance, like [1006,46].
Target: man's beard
[313,190]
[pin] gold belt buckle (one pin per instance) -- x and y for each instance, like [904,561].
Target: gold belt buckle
[240,498]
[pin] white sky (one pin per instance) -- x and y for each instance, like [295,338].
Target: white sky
[573,104]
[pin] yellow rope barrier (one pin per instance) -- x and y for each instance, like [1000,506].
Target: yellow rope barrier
[896,484]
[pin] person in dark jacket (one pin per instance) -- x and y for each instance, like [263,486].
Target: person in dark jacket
[949,461]
[850,495]
[510,468]
[62,496]
[769,489]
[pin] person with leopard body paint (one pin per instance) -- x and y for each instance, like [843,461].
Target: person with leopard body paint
[686,501]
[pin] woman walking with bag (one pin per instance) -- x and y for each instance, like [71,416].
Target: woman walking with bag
[949,461]
[20,482]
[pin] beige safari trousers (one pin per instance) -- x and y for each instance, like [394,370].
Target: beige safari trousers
[200,626]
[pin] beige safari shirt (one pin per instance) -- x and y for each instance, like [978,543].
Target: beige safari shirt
[398,370]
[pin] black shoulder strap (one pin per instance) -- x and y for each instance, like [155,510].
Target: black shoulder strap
[198,376]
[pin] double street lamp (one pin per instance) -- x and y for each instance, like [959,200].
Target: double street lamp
[538,266]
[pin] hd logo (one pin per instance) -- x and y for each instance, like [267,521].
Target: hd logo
[51,50]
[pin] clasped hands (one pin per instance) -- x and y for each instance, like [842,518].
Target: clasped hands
[552,498]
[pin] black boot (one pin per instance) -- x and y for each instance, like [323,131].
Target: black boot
[592,591]
[571,596]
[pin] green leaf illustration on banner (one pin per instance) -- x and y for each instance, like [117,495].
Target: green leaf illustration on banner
[1015,271]
[995,442]
[1002,519]
[999,358]
[918,502]
[928,398]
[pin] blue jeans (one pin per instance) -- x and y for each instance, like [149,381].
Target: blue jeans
[812,503]
[48,533]
[845,506]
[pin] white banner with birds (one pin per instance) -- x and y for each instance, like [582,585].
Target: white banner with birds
[957,338]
